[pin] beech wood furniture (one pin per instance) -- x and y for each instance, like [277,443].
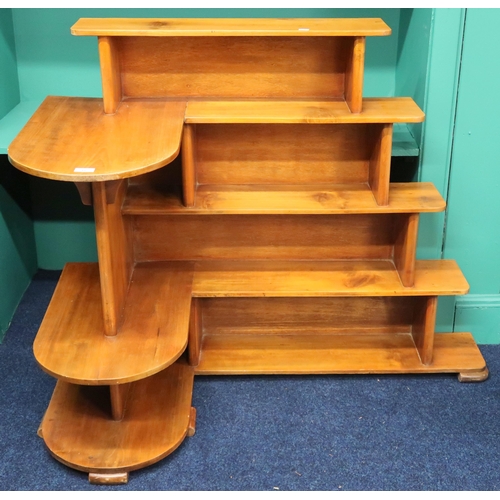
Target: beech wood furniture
[245,225]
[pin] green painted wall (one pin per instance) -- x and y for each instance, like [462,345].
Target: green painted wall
[18,260]
[412,58]
[9,83]
[17,243]
[473,218]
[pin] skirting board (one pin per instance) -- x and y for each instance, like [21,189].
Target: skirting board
[479,314]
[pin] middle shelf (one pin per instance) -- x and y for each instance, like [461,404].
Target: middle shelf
[411,197]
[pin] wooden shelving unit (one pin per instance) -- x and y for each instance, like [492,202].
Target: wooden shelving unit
[245,224]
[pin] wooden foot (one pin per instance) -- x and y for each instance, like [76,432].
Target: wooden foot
[192,422]
[39,431]
[116,478]
[476,376]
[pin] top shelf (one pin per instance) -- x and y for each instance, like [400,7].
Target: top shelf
[230,27]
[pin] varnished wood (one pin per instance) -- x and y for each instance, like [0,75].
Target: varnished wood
[304,316]
[334,354]
[192,422]
[85,192]
[323,278]
[92,146]
[116,478]
[39,431]
[150,198]
[114,251]
[263,154]
[118,395]
[405,247]
[79,432]
[229,68]
[195,333]
[267,237]
[380,165]
[375,110]
[354,75]
[188,165]
[112,188]
[71,344]
[230,27]
[110,73]
[424,324]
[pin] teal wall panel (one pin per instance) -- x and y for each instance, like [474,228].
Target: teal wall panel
[413,57]
[473,218]
[18,260]
[9,83]
[439,93]
[17,244]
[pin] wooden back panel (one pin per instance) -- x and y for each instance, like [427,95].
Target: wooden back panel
[327,315]
[230,67]
[284,153]
[194,237]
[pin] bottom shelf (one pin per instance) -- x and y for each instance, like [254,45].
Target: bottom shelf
[237,354]
[79,431]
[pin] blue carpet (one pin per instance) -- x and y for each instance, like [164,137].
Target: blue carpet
[360,433]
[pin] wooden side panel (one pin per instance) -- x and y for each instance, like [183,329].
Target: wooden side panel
[424,324]
[110,73]
[354,75]
[114,252]
[307,237]
[284,154]
[299,316]
[195,332]
[188,165]
[270,67]
[380,165]
[405,247]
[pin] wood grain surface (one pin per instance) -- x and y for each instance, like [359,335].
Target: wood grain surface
[334,354]
[79,431]
[72,139]
[156,198]
[230,27]
[71,344]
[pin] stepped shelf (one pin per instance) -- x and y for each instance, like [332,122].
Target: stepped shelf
[78,431]
[157,27]
[146,199]
[324,279]
[285,354]
[153,333]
